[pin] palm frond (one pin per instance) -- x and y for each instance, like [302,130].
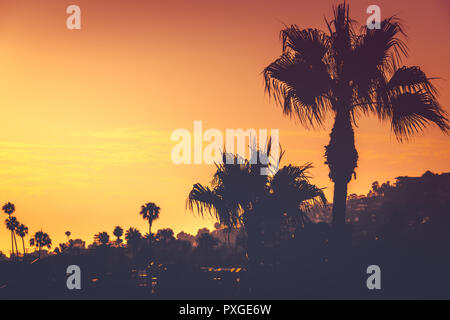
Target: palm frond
[203,199]
[341,35]
[299,87]
[412,112]
[410,79]
[381,48]
[310,44]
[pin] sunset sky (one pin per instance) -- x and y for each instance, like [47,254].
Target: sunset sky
[87,114]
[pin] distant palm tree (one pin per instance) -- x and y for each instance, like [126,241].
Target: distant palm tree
[68,235]
[22,231]
[118,232]
[150,211]
[12,224]
[133,237]
[348,74]
[165,235]
[102,238]
[9,209]
[40,240]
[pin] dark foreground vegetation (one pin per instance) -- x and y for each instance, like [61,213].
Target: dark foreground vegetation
[401,227]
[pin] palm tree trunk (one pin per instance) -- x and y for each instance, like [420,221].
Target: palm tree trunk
[12,244]
[23,244]
[15,241]
[149,233]
[342,158]
[339,204]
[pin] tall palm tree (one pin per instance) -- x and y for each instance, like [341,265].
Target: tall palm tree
[12,224]
[102,238]
[22,231]
[241,197]
[118,232]
[40,240]
[345,74]
[150,211]
[68,233]
[9,209]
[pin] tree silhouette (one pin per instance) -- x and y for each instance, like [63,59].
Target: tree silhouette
[347,74]
[9,209]
[40,240]
[150,212]
[68,235]
[206,242]
[12,224]
[241,196]
[165,235]
[118,232]
[22,231]
[102,238]
[133,237]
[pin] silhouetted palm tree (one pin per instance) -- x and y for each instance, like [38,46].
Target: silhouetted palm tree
[41,239]
[9,209]
[22,231]
[165,235]
[348,74]
[12,224]
[68,235]
[118,232]
[133,237]
[241,196]
[150,211]
[102,238]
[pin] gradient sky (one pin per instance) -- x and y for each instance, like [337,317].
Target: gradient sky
[87,114]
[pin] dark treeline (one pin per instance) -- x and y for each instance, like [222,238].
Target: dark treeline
[402,227]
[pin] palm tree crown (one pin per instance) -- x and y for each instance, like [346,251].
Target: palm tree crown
[22,230]
[41,239]
[9,208]
[346,74]
[239,194]
[118,232]
[133,236]
[102,238]
[11,223]
[150,211]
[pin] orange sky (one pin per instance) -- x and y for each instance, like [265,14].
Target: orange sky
[87,115]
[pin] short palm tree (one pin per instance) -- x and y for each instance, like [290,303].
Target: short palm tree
[118,232]
[241,197]
[102,238]
[347,74]
[9,209]
[40,240]
[133,237]
[22,231]
[150,212]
